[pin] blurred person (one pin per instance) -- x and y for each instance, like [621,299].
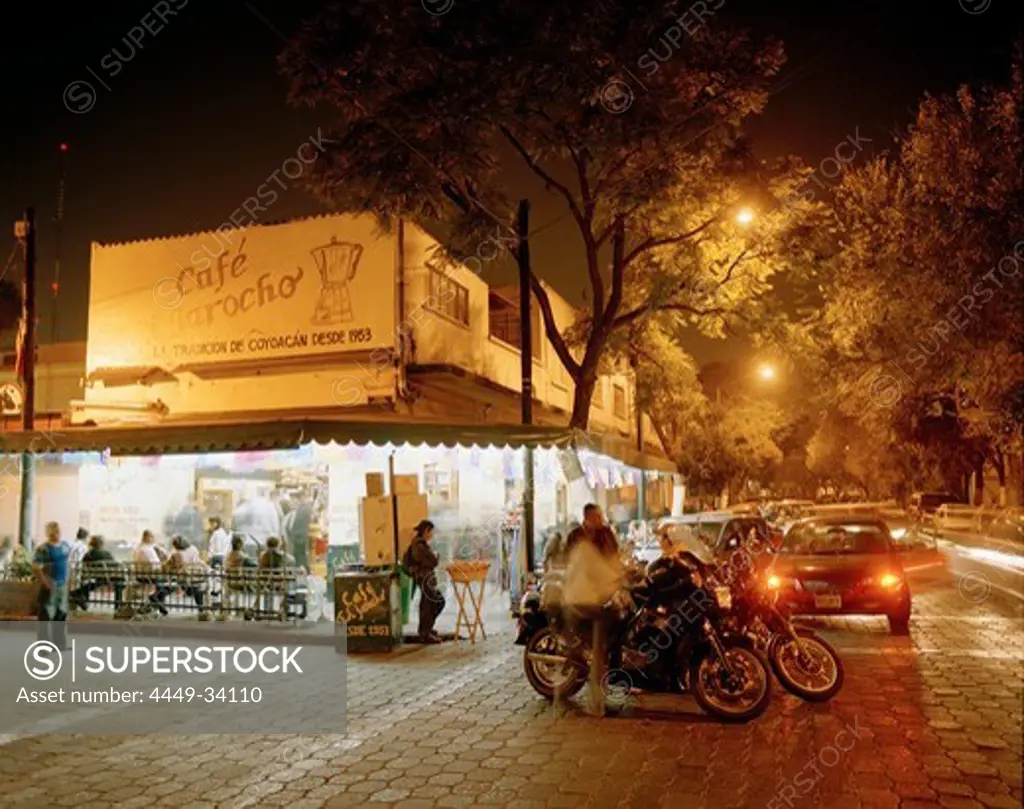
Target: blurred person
[595,574]
[554,552]
[6,553]
[237,557]
[50,565]
[148,560]
[420,563]
[105,571]
[219,543]
[76,552]
[297,528]
[186,562]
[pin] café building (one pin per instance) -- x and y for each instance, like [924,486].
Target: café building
[277,367]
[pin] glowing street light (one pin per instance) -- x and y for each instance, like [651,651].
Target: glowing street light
[766,372]
[744,216]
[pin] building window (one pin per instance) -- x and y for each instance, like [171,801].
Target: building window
[597,400]
[503,315]
[619,403]
[448,297]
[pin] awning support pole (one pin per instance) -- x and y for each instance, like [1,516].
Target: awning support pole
[28,353]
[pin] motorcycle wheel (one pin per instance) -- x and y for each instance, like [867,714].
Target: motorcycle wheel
[809,668]
[732,698]
[547,666]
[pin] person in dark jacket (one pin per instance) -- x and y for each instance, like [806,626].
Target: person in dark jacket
[422,567]
[104,570]
[593,530]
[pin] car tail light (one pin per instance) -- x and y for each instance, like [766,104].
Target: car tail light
[890,581]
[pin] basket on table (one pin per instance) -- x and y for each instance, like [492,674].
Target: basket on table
[467,571]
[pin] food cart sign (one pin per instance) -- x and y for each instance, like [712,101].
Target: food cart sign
[366,611]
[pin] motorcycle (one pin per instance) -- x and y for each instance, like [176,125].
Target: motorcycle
[665,636]
[806,664]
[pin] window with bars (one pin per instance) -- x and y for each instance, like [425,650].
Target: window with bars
[597,400]
[619,403]
[448,297]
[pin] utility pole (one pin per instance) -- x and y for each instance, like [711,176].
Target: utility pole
[26,230]
[526,359]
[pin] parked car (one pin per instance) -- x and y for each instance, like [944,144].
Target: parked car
[707,534]
[923,505]
[783,513]
[956,517]
[1007,529]
[842,565]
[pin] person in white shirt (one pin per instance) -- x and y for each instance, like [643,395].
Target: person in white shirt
[77,549]
[220,542]
[147,561]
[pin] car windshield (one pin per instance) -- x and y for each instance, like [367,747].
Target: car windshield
[830,539]
[708,532]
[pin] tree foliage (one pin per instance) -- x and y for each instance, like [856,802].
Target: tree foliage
[919,338]
[450,120]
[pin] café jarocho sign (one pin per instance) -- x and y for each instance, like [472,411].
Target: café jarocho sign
[314,286]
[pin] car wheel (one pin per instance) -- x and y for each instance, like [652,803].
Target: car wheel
[899,624]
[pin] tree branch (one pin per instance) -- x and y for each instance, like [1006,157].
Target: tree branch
[551,328]
[550,181]
[653,242]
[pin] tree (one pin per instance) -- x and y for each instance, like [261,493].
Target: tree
[919,335]
[716,444]
[449,120]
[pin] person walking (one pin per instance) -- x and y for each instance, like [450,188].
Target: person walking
[77,549]
[420,563]
[595,574]
[50,565]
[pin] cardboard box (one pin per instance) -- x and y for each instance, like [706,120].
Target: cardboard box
[411,509]
[377,530]
[374,484]
[406,484]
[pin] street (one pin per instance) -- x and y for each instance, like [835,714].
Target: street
[930,720]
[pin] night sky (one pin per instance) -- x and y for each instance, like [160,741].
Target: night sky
[195,120]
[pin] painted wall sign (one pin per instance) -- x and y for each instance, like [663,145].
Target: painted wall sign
[313,286]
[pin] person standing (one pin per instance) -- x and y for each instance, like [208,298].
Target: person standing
[50,565]
[420,563]
[76,553]
[220,542]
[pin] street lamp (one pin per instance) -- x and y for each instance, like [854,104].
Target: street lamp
[766,372]
[744,216]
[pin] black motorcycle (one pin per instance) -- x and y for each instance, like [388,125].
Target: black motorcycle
[806,665]
[665,636]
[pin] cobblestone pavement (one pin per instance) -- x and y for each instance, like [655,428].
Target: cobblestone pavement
[926,721]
